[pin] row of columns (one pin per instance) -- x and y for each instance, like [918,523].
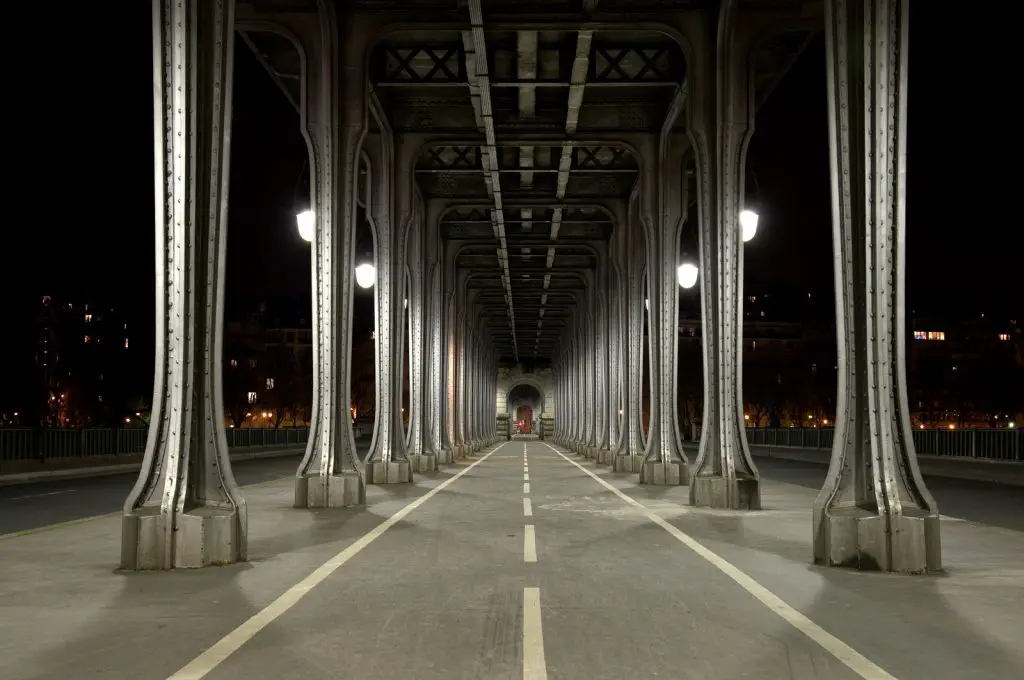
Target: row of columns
[186,509]
[874,510]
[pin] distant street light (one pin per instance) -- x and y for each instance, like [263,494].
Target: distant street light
[687,275]
[366,274]
[306,221]
[748,224]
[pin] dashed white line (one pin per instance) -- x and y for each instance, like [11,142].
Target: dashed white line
[848,656]
[526,476]
[534,665]
[527,508]
[230,643]
[526,487]
[529,544]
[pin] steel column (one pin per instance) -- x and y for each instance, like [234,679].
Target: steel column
[185,509]
[874,511]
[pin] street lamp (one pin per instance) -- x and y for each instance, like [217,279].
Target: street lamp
[366,274]
[306,221]
[686,274]
[748,224]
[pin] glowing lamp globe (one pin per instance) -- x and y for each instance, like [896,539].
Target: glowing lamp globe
[365,275]
[306,221]
[748,224]
[687,275]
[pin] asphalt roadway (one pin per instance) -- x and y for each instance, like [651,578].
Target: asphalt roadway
[33,506]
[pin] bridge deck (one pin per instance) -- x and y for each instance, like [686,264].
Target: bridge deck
[444,591]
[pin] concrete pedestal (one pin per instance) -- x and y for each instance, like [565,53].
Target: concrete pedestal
[337,491]
[718,492]
[627,463]
[603,456]
[860,539]
[656,472]
[423,462]
[393,472]
[204,537]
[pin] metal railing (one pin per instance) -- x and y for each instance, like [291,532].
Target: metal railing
[1001,445]
[25,443]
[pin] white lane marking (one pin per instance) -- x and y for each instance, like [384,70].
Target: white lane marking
[847,655]
[230,643]
[530,544]
[527,508]
[534,665]
[526,487]
[526,476]
[38,495]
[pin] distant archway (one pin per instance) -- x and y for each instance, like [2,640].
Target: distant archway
[525,405]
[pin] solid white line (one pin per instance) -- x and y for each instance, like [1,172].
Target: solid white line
[527,508]
[526,487]
[230,643]
[530,544]
[848,656]
[534,665]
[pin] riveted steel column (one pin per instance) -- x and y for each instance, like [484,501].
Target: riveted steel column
[390,207]
[587,346]
[874,511]
[422,456]
[335,119]
[601,453]
[629,457]
[665,462]
[614,363]
[185,509]
[721,121]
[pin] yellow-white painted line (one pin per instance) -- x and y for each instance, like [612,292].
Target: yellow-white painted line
[203,664]
[848,656]
[526,487]
[527,508]
[530,544]
[534,665]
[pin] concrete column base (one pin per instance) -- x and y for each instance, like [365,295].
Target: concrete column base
[603,456]
[392,472]
[204,537]
[656,472]
[860,539]
[336,491]
[719,493]
[627,463]
[423,462]
[445,457]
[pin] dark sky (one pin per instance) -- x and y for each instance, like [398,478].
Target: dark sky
[83,139]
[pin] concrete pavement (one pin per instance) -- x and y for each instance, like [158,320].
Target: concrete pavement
[456,586]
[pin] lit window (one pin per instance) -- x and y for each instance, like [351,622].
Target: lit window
[87,338]
[88,318]
[1004,336]
[936,335]
[270,383]
[814,369]
[234,363]
[919,335]
[126,343]
[252,363]
[252,397]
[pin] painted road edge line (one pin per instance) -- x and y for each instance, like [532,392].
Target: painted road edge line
[116,513]
[233,641]
[534,665]
[845,654]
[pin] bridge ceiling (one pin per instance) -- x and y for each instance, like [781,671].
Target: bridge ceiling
[529,119]
[532,169]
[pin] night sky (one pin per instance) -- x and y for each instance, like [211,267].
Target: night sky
[87,171]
